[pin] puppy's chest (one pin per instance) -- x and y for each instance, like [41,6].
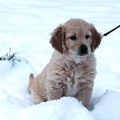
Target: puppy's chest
[74,74]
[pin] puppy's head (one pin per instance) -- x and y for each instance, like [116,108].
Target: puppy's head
[76,37]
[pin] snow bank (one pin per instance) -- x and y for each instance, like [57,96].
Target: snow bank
[106,107]
[63,109]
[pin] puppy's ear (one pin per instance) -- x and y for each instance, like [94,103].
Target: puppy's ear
[58,39]
[96,36]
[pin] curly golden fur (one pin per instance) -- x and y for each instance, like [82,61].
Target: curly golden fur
[72,68]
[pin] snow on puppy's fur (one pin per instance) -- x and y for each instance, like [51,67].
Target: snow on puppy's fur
[72,68]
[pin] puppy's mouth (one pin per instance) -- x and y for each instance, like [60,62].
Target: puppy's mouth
[83,50]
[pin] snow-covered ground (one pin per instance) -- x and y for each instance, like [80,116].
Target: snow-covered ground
[25,27]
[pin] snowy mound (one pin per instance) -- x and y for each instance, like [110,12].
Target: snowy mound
[25,27]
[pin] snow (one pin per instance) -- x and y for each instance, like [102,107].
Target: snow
[25,27]
[107,106]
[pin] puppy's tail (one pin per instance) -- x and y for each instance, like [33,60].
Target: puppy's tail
[31,78]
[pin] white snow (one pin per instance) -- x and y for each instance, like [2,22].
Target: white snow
[25,27]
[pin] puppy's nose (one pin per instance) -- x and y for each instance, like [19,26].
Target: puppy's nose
[83,50]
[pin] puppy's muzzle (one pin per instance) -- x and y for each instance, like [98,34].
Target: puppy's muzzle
[83,50]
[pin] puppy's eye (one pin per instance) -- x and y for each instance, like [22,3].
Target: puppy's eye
[73,37]
[87,36]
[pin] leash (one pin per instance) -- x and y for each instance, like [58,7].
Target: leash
[111,31]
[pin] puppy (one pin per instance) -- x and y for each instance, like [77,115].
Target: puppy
[72,68]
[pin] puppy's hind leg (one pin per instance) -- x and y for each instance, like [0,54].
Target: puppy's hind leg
[37,98]
[31,78]
[34,90]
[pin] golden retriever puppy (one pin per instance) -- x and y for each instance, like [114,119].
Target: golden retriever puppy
[72,68]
